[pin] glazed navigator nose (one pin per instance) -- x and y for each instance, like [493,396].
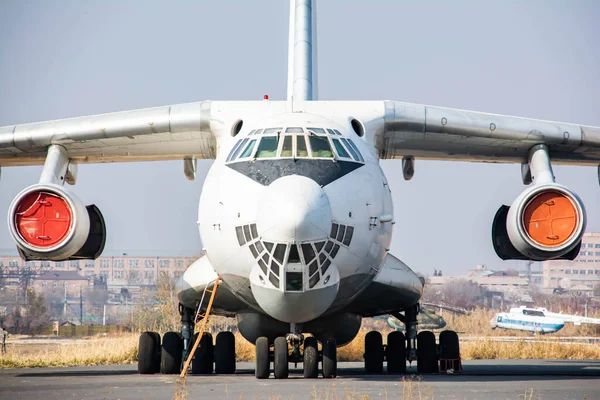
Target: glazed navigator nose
[294,209]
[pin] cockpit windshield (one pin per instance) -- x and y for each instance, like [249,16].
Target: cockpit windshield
[295,142]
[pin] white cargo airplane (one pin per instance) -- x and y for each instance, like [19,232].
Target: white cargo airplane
[296,214]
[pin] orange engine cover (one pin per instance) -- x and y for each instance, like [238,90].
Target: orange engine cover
[43,219]
[550,218]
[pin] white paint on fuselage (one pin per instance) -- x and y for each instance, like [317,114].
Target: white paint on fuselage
[229,199]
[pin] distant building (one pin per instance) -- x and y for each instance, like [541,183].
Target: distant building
[60,283]
[119,269]
[583,272]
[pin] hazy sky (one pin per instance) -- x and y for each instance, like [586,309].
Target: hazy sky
[538,59]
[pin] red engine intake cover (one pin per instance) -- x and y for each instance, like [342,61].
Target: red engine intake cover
[43,219]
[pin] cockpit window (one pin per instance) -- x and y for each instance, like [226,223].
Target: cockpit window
[272,130]
[301,150]
[248,151]
[353,149]
[360,157]
[239,148]
[286,149]
[320,146]
[267,147]
[340,149]
[235,147]
[297,142]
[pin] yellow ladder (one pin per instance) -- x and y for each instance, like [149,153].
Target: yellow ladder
[203,326]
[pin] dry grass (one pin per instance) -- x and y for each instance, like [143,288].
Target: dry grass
[121,349]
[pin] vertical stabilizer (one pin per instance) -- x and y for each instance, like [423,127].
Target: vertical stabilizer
[300,51]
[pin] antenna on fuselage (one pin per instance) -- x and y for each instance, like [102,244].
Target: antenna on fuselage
[302,48]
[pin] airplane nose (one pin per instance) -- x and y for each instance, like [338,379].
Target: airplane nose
[294,209]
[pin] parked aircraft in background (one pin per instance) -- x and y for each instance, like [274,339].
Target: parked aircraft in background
[537,320]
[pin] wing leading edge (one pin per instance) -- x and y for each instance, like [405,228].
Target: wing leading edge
[445,133]
[161,133]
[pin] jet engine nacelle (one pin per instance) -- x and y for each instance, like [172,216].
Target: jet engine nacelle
[48,223]
[544,222]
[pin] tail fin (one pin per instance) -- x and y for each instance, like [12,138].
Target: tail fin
[302,48]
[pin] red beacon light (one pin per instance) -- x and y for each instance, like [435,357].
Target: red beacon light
[266,97]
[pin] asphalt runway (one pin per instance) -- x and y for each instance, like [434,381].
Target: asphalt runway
[482,379]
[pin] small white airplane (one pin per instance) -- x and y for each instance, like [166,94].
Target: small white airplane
[537,320]
[296,214]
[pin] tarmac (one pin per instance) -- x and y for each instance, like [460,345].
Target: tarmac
[481,379]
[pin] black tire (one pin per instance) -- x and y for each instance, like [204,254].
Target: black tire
[202,364]
[395,353]
[171,354]
[329,362]
[280,358]
[225,353]
[311,358]
[149,353]
[263,364]
[427,359]
[450,349]
[373,353]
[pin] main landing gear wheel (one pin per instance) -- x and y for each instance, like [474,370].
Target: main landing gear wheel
[149,353]
[450,351]
[203,359]
[171,354]
[311,358]
[373,353]
[427,359]
[280,358]
[395,352]
[225,353]
[263,363]
[329,362]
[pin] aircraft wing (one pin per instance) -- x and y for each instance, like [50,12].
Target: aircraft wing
[444,133]
[161,133]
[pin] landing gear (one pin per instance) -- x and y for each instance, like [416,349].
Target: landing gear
[373,353]
[171,355]
[421,348]
[280,358]
[311,358]
[329,361]
[263,363]
[225,353]
[427,358]
[302,350]
[202,364]
[395,353]
[149,353]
